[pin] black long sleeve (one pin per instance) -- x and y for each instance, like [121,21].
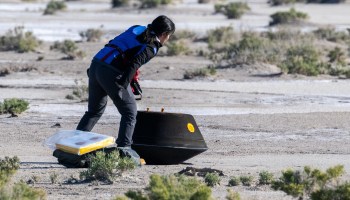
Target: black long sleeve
[135,63]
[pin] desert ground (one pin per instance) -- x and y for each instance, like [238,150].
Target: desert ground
[250,123]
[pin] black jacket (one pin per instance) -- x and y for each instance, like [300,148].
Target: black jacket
[130,66]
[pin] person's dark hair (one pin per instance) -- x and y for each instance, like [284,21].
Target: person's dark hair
[161,24]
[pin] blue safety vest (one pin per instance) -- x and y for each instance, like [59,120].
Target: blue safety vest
[121,44]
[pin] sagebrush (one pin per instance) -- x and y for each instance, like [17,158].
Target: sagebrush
[91,35]
[288,17]
[69,48]
[20,190]
[13,106]
[53,6]
[212,179]
[19,40]
[233,10]
[314,183]
[172,187]
[106,167]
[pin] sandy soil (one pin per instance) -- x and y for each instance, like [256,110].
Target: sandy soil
[250,123]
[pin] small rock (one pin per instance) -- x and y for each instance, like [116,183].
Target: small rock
[57,125]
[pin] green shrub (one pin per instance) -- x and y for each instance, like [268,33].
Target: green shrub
[13,106]
[302,60]
[234,181]
[249,50]
[91,35]
[339,192]
[309,182]
[265,178]
[106,167]
[212,179]
[289,17]
[175,48]
[153,3]
[246,180]
[233,195]
[219,41]
[53,6]
[69,48]
[119,3]
[234,10]
[8,168]
[203,72]
[172,187]
[18,40]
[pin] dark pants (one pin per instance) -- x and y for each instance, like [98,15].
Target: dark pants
[102,83]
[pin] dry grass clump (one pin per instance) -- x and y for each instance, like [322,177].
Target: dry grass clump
[80,91]
[200,73]
[179,47]
[69,48]
[15,67]
[184,34]
[171,187]
[232,195]
[330,34]
[220,38]
[91,35]
[180,43]
[19,40]
[219,41]
[233,10]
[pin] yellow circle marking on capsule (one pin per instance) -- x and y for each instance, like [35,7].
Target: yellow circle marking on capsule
[190,127]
